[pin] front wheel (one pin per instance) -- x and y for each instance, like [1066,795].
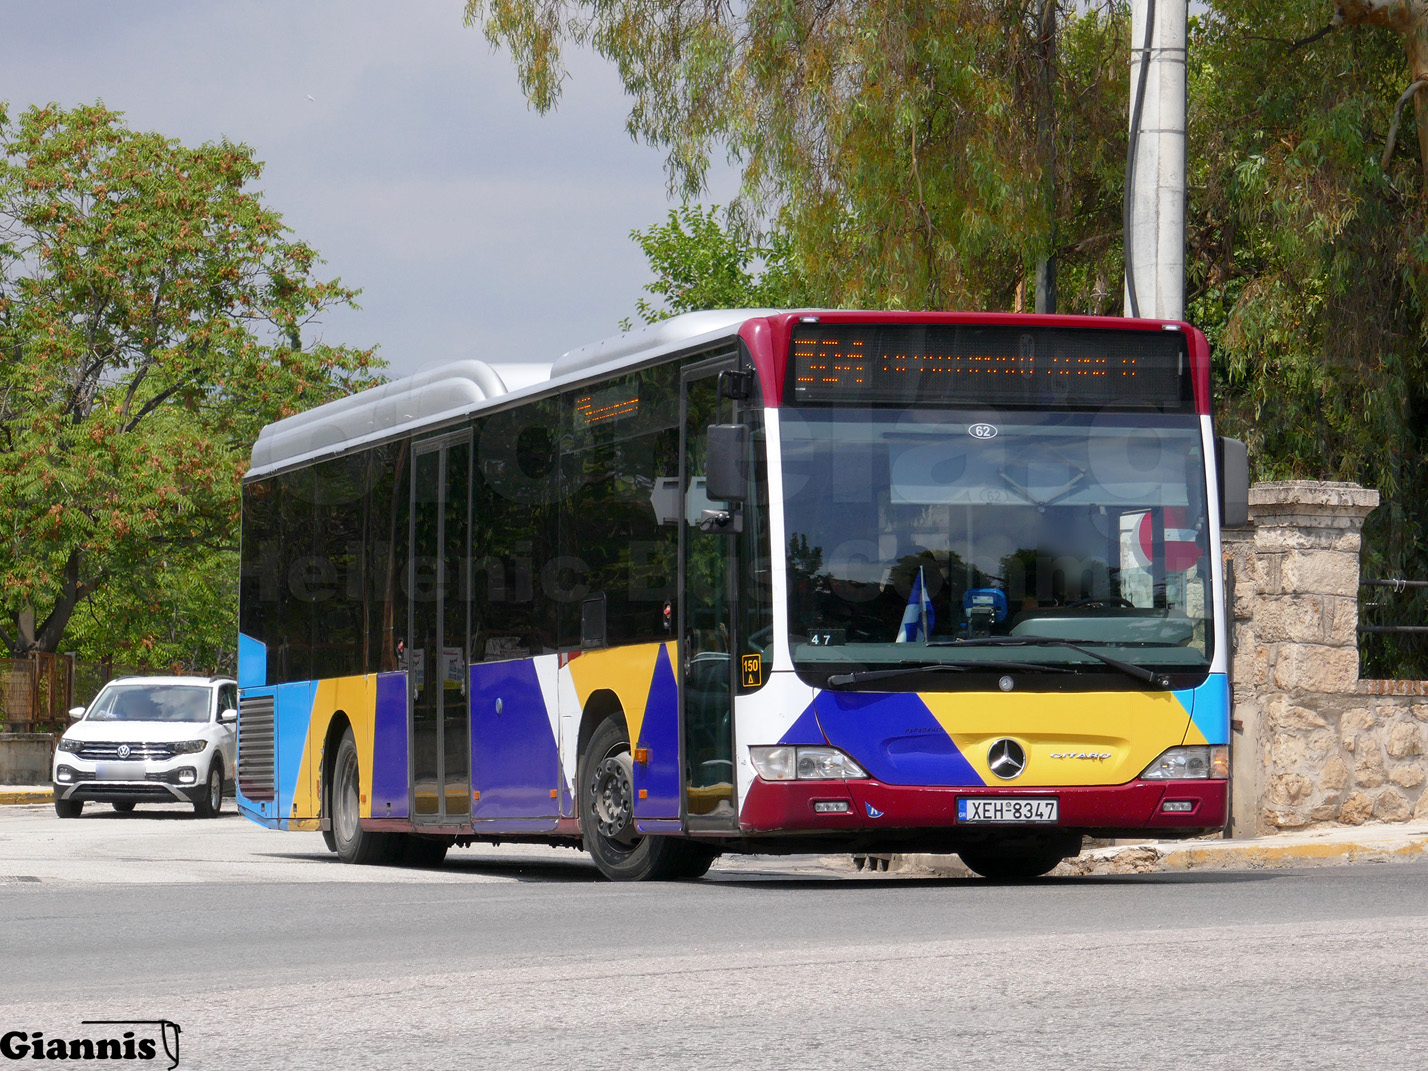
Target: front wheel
[124,807]
[354,844]
[607,817]
[211,802]
[68,808]
[1020,860]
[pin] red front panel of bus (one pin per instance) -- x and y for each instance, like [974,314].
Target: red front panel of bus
[790,806]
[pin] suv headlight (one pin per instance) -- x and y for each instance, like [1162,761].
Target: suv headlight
[786,763]
[188,747]
[67,743]
[1198,763]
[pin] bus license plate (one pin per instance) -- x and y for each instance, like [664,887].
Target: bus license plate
[1007,811]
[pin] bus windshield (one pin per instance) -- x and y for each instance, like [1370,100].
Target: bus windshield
[994,542]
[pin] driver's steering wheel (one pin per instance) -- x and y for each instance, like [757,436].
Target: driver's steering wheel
[1101,600]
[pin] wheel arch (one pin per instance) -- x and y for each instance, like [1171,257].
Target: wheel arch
[601,704]
[337,727]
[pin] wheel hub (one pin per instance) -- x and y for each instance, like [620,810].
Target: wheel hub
[612,798]
[346,820]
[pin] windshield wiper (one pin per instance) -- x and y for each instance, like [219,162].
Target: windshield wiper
[837,680]
[1140,673]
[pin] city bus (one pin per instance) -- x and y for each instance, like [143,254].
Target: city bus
[750,581]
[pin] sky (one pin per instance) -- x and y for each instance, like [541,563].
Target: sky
[396,143]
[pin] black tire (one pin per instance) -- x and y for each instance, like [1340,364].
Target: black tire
[606,806]
[416,850]
[353,843]
[68,808]
[1019,860]
[123,807]
[211,802]
[329,839]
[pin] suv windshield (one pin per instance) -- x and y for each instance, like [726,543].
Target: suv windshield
[151,702]
[912,530]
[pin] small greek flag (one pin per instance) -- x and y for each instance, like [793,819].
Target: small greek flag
[919,616]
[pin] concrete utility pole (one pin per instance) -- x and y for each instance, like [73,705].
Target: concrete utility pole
[1155,182]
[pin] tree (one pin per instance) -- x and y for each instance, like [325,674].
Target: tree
[700,264]
[1308,263]
[152,313]
[913,154]
[1408,19]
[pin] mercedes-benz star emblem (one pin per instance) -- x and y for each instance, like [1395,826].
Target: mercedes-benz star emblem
[123,751]
[1006,759]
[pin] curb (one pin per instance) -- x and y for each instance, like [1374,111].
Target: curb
[1253,855]
[1331,849]
[27,795]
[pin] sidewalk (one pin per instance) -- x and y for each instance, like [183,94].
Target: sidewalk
[1376,842]
[26,794]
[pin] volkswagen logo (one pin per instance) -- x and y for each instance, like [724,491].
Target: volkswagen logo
[1006,759]
[123,751]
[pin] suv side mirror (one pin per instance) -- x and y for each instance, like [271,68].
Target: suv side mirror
[726,467]
[227,714]
[1232,465]
[75,713]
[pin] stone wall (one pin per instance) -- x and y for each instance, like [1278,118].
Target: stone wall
[25,758]
[1313,743]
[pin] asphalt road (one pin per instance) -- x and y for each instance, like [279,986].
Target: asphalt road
[272,955]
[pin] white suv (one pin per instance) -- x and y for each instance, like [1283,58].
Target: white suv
[150,740]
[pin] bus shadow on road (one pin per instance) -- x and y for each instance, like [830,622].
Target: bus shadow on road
[853,883]
[514,868]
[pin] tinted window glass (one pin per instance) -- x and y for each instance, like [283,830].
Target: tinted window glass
[261,585]
[337,564]
[517,577]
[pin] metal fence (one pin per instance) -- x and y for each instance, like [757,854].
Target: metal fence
[1393,641]
[36,692]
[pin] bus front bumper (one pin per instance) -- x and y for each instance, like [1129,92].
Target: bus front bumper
[1159,808]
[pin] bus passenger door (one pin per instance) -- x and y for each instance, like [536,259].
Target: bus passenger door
[436,661]
[706,619]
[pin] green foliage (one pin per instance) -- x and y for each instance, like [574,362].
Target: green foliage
[151,318]
[1307,266]
[912,155]
[700,265]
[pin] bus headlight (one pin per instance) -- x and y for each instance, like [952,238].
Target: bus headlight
[786,763]
[1198,763]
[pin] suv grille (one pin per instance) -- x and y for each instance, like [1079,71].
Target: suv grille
[255,747]
[110,750]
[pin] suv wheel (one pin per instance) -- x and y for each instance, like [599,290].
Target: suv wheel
[211,802]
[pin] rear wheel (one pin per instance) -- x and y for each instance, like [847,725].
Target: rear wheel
[1020,860]
[123,808]
[607,817]
[354,844]
[68,808]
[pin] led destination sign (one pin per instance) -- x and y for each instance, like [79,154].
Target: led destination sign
[947,364]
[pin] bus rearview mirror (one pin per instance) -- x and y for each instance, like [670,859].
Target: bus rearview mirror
[726,467]
[1232,461]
